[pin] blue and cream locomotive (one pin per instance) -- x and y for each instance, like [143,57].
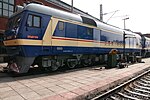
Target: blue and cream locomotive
[51,38]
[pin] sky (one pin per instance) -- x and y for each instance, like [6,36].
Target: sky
[138,12]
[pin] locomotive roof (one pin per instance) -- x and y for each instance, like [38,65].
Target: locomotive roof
[147,38]
[108,27]
[51,11]
[66,15]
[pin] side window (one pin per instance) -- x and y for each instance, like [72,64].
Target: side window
[96,34]
[71,30]
[85,32]
[89,31]
[34,21]
[89,34]
[61,26]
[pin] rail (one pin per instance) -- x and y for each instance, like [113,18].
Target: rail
[112,91]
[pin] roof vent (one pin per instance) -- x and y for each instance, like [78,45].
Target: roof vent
[88,21]
[18,8]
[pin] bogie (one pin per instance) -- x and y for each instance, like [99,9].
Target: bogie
[72,63]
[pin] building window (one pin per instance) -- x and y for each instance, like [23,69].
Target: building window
[34,21]
[11,2]
[5,0]
[6,8]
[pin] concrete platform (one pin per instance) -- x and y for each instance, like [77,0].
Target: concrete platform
[77,85]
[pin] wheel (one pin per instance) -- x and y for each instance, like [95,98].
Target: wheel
[55,65]
[72,63]
[87,62]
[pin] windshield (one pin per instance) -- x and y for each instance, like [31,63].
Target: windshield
[13,27]
[14,22]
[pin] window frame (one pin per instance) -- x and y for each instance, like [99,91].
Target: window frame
[32,19]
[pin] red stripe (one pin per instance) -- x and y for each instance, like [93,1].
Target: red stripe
[72,39]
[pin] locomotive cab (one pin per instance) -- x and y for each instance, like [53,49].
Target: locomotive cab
[16,52]
[24,29]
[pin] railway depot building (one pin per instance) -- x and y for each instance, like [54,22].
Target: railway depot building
[8,7]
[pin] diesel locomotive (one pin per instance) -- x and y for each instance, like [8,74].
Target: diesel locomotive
[51,38]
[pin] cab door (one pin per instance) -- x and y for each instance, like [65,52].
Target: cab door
[33,27]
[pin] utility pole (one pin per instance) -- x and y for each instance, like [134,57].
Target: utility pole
[125,22]
[72,6]
[101,12]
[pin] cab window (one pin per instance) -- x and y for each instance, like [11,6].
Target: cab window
[34,21]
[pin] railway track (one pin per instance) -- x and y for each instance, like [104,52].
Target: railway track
[137,88]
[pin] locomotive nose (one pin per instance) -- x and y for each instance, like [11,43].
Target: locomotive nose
[13,67]
[20,64]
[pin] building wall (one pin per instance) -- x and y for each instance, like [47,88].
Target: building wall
[3,22]
[20,2]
